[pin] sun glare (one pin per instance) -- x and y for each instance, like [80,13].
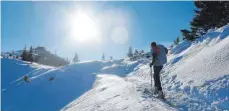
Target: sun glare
[83,27]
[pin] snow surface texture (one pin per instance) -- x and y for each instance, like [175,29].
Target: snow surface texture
[195,78]
[199,77]
[112,93]
[40,94]
[69,82]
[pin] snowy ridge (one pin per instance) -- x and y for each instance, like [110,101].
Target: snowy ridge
[48,95]
[195,78]
[198,76]
[69,82]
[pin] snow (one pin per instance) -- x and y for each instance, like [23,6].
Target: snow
[112,93]
[199,74]
[40,94]
[202,62]
[195,78]
[120,69]
[70,82]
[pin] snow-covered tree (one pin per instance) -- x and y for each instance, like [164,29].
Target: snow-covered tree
[177,41]
[10,55]
[76,58]
[172,46]
[103,57]
[208,15]
[188,35]
[130,52]
[30,55]
[142,51]
[111,58]
[24,54]
[67,60]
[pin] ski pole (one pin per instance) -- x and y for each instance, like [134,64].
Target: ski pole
[151,76]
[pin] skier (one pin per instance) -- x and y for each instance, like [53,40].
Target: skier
[158,60]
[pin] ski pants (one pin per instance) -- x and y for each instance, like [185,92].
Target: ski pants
[156,76]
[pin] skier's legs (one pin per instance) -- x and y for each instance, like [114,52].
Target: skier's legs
[155,77]
[157,81]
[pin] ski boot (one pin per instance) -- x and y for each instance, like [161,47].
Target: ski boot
[161,95]
[155,91]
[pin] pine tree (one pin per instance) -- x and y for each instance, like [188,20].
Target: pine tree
[10,55]
[171,46]
[225,12]
[185,34]
[103,57]
[76,58]
[209,14]
[24,54]
[188,35]
[111,58]
[30,55]
[177,41]
[130,52]
[142,51]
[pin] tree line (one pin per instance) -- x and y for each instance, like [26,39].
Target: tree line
[208,15]
[137,54]
[42,56]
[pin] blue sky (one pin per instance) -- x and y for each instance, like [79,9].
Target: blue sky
[44,24]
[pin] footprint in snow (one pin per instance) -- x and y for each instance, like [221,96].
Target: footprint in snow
[116,96]
[125,108]
[174,77]
[102,89]
[190,82]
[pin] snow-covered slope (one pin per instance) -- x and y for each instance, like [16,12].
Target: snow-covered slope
[201,71]
[70,82]
[195,78]
[112,93]
[197,74]
[41,94]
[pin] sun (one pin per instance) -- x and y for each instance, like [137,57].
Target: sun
[83,27]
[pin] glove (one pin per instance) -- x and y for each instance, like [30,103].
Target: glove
[150,64]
